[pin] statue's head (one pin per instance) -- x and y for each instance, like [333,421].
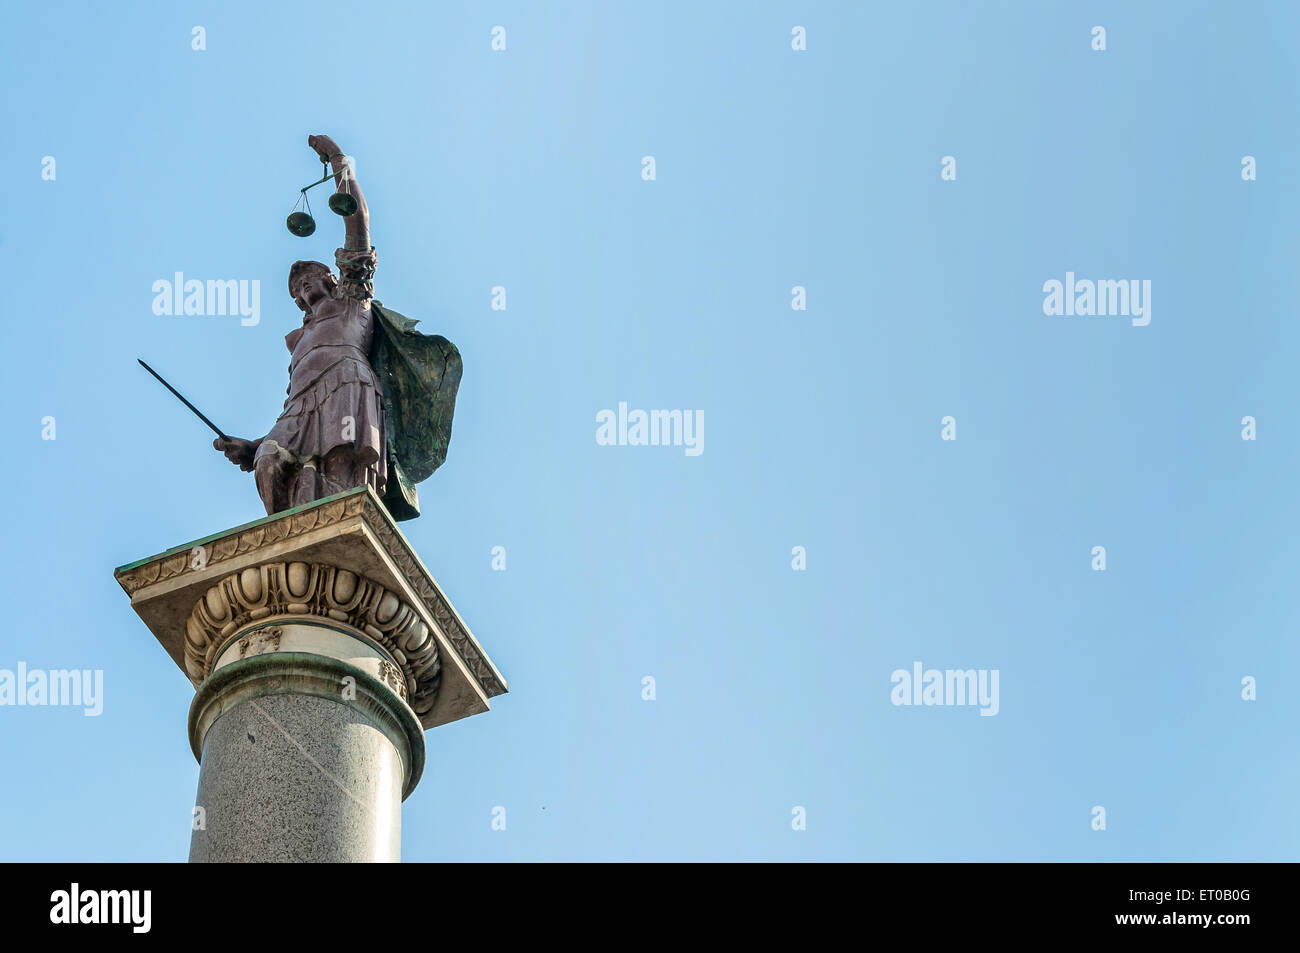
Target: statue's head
[311,282]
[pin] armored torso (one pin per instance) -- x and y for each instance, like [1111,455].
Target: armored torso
[322,342]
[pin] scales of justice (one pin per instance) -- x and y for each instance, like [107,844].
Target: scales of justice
[319,645]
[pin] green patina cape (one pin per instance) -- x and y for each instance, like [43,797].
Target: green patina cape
[420,374]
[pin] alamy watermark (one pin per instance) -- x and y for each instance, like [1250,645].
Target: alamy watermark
[57,688]
[213,297]
[127,907]
[1125,297]
[653,428]
[953,686]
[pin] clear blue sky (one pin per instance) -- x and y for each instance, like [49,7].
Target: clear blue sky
[775,168]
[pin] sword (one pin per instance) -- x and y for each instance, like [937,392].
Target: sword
[181,398]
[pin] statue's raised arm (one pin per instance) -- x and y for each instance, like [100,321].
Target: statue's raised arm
[345,180]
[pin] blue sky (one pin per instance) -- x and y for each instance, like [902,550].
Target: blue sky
[774,168]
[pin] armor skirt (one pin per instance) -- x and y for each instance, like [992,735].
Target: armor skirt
[333,428]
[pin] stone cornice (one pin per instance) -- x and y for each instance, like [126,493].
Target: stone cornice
[443,613]
[202,553]
[351,532]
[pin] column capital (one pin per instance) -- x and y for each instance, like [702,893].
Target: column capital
[315,592]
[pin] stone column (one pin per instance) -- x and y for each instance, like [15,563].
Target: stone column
[306,744]
[321,649]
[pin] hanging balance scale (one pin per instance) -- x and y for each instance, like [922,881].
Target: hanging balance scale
[301,223]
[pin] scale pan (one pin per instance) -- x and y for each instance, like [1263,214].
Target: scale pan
[342,204]
[301,224]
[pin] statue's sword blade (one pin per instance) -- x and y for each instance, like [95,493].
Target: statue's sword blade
[181,398]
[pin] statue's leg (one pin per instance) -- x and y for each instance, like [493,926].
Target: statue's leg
[306,485]
[272,473]
[342,470]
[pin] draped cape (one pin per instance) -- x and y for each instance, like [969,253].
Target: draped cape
[420,374]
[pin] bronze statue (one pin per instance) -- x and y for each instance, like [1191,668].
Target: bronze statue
[370,399]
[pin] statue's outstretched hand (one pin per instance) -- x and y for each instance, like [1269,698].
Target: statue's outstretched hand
[237,450]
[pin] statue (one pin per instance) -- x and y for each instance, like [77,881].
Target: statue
[370,399]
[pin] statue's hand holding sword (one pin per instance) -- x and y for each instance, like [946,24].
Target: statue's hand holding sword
[238,450]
